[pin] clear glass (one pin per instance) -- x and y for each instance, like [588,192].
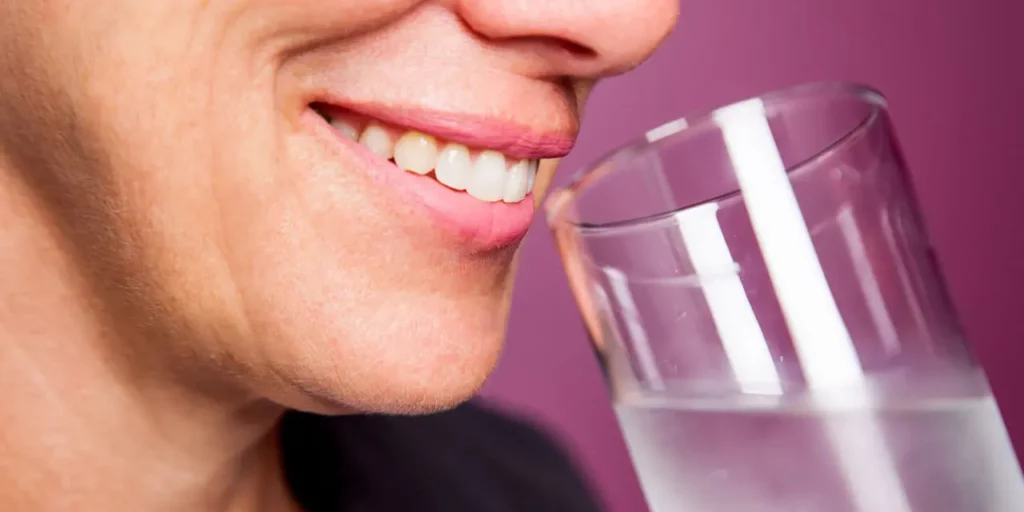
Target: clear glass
[775,330]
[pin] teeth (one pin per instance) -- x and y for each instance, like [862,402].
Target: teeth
[490,179]
[416,152]
[346,129]
[487,182]
[378,139]
[454,166]
[516,182]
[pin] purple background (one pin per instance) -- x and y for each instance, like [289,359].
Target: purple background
[952,72]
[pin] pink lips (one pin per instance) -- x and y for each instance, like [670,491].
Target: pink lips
[479,226]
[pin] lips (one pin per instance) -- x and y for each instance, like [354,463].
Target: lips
[473,177]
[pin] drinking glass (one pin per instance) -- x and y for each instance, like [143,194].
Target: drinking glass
[773,325]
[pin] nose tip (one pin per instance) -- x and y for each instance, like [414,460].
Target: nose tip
[603,37]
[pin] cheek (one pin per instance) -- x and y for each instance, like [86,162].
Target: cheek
[315,20]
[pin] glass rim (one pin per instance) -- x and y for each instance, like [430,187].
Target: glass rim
[583,177]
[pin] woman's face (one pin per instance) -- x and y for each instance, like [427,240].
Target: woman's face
[222,172]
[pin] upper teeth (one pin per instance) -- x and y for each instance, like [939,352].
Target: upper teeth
[493,177]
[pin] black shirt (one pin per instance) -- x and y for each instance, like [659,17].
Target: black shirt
[469,459]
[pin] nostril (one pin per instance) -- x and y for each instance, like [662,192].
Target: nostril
[552,49]
[574,49]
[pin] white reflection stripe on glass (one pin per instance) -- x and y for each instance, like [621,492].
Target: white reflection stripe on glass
[665,130]
[823,344]
[742,338]
[638,343]
[868,280]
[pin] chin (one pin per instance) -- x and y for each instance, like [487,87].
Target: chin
[434,378]
[419,355]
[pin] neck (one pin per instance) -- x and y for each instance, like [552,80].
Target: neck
[85,430]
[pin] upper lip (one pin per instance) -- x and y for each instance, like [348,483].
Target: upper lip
[474,131]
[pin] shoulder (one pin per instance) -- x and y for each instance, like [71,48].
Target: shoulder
[471,458]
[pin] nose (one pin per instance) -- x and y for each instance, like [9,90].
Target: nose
[590,38]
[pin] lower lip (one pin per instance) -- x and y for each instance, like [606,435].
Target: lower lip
[479,225]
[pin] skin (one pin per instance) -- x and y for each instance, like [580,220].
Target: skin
[181,260]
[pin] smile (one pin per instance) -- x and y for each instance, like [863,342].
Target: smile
[484,174]
[475,179]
